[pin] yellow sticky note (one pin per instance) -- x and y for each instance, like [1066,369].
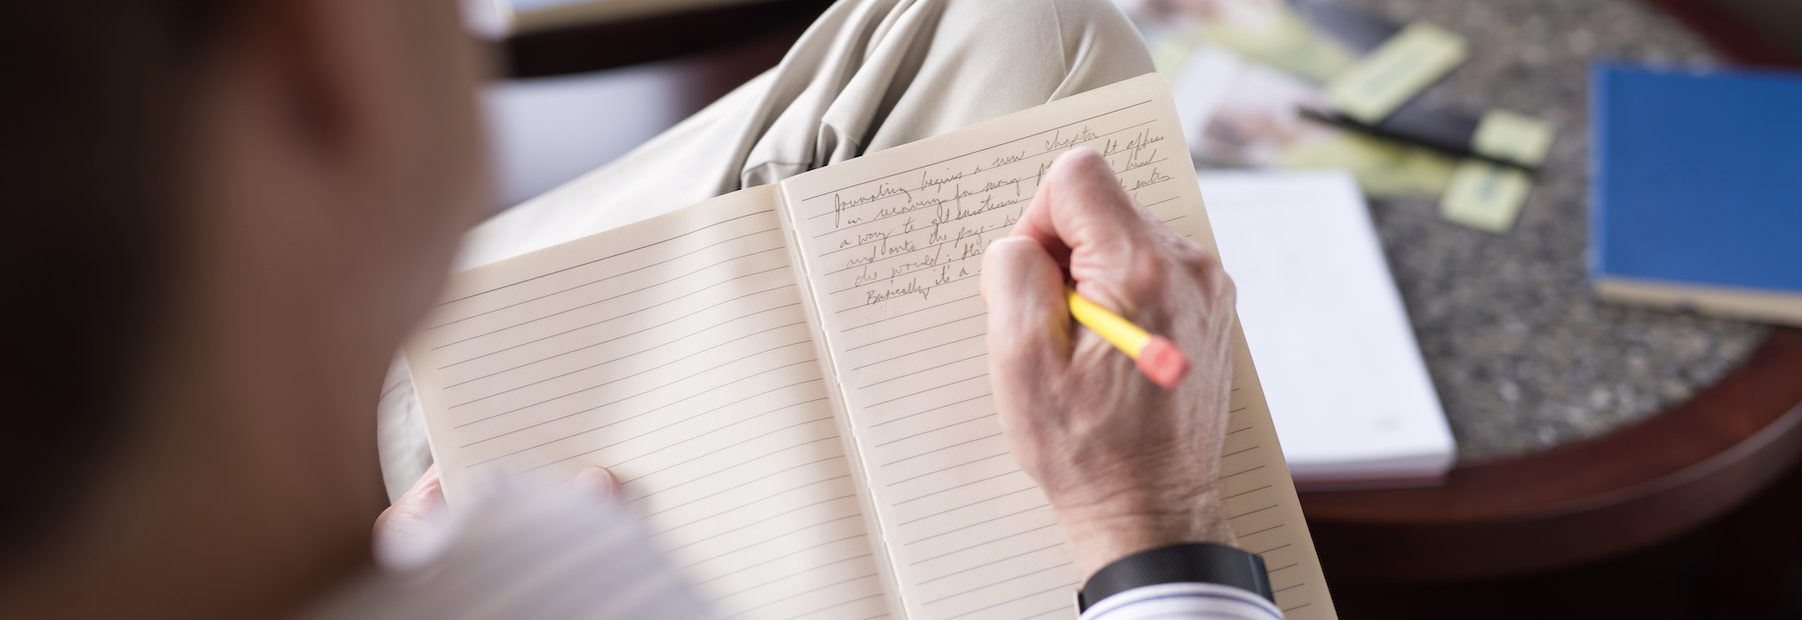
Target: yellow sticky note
[1395,72]
[1513,137]
[1485,196]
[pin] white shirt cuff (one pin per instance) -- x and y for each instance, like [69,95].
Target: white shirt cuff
[1184,601]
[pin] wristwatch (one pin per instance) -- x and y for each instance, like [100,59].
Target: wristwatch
[1184,563]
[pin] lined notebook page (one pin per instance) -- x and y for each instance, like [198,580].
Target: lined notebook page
[675,351]
[892,245]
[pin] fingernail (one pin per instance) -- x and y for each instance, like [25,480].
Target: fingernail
[595,482]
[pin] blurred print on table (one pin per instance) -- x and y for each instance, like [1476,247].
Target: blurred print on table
[1315,84]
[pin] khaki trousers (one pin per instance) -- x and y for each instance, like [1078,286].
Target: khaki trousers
[869,75]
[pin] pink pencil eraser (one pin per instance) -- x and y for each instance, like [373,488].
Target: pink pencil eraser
[1163,362]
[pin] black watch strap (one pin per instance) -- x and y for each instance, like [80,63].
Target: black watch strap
[1185,563]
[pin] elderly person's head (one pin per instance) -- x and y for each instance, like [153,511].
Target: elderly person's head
[223,216]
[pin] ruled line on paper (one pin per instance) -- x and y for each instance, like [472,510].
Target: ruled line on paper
[521,386]
[580,349]
[834,606]
[642,435]
[935,429]
[941,449]
[1245,493]
[1063,586]
[732,445]
[969,505]
[512,326]
[766,213]
[987,542]
[709,475]
[917,352]
[763,497]
[520,429]
[621,274]
[885,319]
[780,558]
[605,384]
[930,389]
[811,591]
[737,299]
[991,563]
[1002,581]
[752,503]
[927,411]
[923,329]
[985,148]
[1159,179]
[879,240]
[959,486]
[937,259]
[792,532]
[940,471]
[926,370]
[978,523]
[787,576]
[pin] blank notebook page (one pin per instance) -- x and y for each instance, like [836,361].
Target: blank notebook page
[676,352]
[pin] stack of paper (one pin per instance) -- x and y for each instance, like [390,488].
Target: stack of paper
[1347,388]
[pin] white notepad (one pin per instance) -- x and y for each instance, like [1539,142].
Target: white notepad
[1347,388]
[791,380]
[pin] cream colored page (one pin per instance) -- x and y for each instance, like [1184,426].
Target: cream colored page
[892,245]
[675,351]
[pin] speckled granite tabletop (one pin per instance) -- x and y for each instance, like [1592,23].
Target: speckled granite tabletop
[1523,355]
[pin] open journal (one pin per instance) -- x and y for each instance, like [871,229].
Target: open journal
[791,381]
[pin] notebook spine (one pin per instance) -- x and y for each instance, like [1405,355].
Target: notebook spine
[1599,73]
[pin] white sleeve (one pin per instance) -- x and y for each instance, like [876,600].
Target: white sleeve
[523,556]
[1184,601]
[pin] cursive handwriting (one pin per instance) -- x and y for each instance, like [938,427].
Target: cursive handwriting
[942,217]
[1059,141]
[913,287]
[839,203]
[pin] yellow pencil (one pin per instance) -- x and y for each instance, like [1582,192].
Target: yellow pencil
[1156,356]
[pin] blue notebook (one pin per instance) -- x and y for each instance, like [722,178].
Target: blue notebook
[1696,190]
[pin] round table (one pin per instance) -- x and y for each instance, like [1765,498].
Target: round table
[1585,430]
[1523,355]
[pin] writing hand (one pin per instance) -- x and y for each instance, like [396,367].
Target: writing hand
[1127,465]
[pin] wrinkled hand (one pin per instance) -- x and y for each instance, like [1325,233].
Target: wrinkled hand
[413,531]
[1127,465]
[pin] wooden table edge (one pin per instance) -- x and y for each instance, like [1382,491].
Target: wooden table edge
[1585,500]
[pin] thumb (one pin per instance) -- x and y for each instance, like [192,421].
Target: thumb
[416,529]
[1029,322]
[596,482]
[421,504]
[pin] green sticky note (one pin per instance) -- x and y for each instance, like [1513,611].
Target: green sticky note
[1513,137]
[1395,72]
[1383,167]
[1485,196]
[1274,34]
